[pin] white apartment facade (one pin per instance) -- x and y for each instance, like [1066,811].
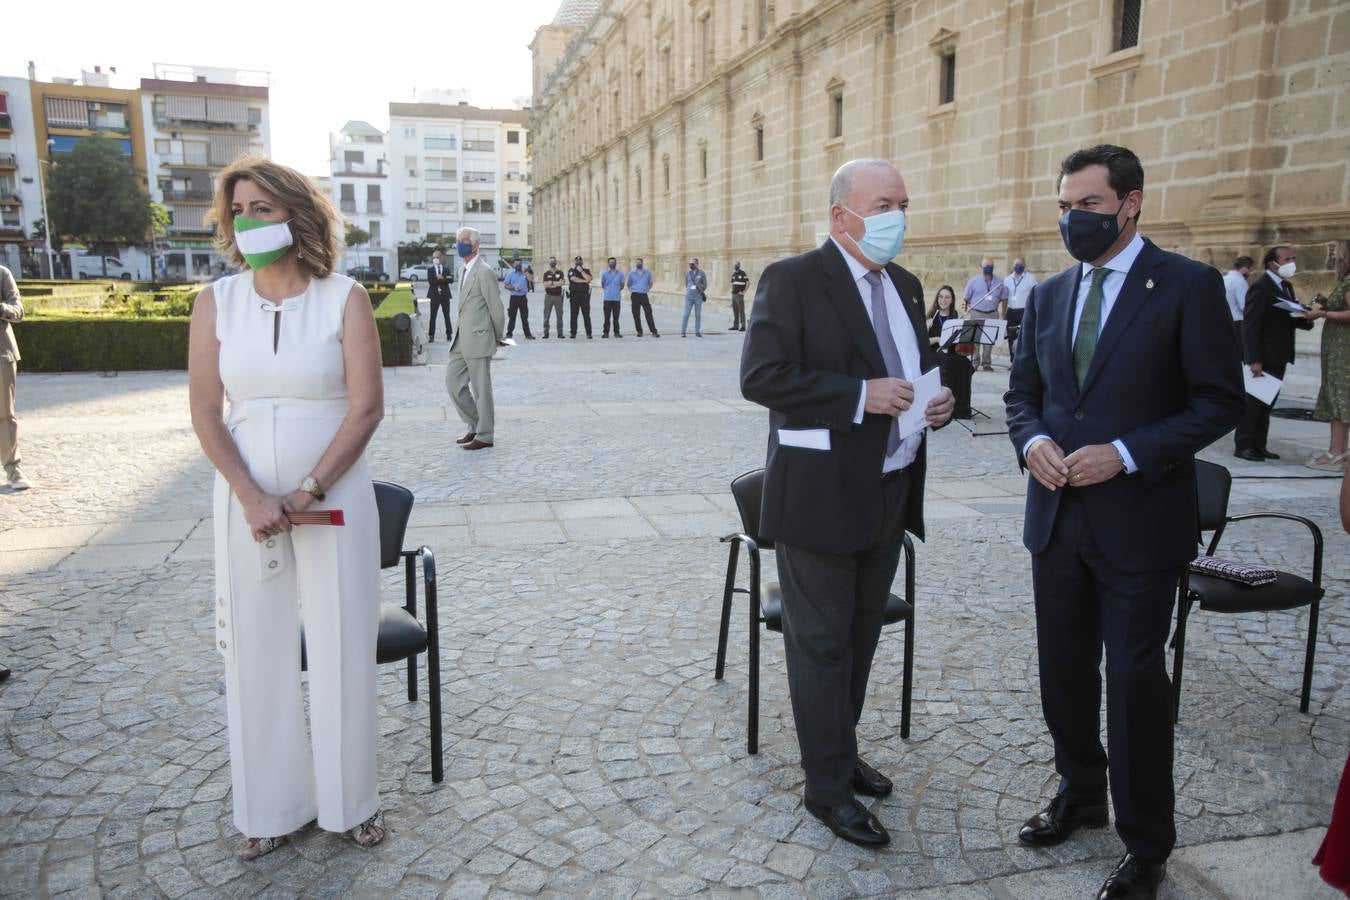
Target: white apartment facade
[359,185]
[20,178]
[455,165]
[198,120]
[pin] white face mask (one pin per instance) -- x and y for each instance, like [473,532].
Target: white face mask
[1288,270]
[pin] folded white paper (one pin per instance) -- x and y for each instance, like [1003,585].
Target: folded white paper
[808,438]
[1293,307]
[926,387]
[1264,388]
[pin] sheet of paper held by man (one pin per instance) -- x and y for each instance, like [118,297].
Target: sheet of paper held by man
[1264,388]
[1293,308]
[926,387]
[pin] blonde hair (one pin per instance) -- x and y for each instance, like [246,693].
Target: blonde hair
[314,220]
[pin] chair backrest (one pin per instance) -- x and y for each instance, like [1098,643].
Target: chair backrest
[394,503]
[748,489]
[1213,483]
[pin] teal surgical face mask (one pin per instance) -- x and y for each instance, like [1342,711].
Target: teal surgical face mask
[261,243]
[883,235]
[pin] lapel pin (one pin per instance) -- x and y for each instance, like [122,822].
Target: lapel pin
[1148,285]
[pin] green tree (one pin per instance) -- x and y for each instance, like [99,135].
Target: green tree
[355,235]
[159,227]
[410,253]
[98,198]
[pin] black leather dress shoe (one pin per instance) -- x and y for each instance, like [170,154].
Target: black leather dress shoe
[1250,455]
[1060,819]
[1266,454]
[852,822]
[867,780]
[1133,879]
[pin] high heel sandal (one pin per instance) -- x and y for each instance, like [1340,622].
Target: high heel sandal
[256,847]
[1327,462]
[368,833]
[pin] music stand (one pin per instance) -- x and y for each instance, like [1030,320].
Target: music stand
[980,332]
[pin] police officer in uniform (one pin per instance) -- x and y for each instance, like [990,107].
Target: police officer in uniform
[579,279]
[740,280]
[553,282]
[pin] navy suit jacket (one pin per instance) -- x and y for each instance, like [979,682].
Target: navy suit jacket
[1166,379]
[808,347]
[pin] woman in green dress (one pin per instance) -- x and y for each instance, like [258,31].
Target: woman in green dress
[1333,400]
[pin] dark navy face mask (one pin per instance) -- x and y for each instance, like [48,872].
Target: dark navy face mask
[1088,235]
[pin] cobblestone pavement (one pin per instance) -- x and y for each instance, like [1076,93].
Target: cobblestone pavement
[589,750]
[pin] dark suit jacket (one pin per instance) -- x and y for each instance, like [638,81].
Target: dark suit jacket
[1166,379]
[808,348]
[438,289]
[1268,332]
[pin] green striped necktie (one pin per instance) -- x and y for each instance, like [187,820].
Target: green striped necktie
[1089,326]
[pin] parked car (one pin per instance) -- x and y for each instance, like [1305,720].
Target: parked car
[365,273]
[92,267]
[415,273]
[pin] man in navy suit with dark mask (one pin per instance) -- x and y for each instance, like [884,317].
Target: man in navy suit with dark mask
[1126,367]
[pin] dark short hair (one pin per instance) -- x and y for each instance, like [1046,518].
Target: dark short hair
[1273,254]
[1124,172]
[1242,262]
[611,259]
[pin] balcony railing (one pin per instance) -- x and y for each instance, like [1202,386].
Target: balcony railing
[412,204]
[8,159]
[347,206]
[487,146]
[9,197]
[6,124]
[480,177]
[188,196]
[442,174]
[169,123]
[447,206]
[433,143]
[374,207]
[190,229]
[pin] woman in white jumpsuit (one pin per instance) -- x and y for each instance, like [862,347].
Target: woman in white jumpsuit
[294,348]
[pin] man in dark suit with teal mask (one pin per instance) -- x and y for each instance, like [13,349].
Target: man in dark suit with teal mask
[1126,367]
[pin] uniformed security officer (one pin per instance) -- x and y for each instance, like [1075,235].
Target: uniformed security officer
[740,280]
[553,282]
[579,280]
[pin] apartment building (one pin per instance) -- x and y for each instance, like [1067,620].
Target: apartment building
[198,120]
[20,178]
[359,185]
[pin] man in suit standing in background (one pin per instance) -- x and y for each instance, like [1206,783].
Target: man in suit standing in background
[1126,368]
[836,339]
[468,374]
[439,279]
[11,310]
[1268,345]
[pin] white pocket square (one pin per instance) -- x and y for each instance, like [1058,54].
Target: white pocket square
[807,438]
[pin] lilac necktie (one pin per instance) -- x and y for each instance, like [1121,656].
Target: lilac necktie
[881,321]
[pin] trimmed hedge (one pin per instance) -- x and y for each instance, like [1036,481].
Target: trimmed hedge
[102,344]
[395,346]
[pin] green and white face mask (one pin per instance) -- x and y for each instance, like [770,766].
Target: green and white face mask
[261,243]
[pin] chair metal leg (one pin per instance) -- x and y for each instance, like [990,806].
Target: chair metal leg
[908,684]
[752,726]
[1179,652]
[433,667]
[732,557]
[1312,652]
[410,604]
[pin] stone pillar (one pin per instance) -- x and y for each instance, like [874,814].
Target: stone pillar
[1007,220]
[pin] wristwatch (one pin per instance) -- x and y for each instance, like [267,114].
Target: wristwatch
[310,485]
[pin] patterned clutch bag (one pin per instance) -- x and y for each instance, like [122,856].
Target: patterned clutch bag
[1242,573]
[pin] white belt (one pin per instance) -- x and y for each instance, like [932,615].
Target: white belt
[255,422]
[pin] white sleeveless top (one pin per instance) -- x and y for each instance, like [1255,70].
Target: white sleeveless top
[307,363]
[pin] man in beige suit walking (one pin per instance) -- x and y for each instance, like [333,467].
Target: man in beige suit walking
[11,310]
[468,376]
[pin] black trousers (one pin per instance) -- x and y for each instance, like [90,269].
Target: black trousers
[580,303]
[519,303]
[737,310]
[957,372]
[1082,604]
[833,609]
[610,310]
[642,304]
[443,304]
[1254,429]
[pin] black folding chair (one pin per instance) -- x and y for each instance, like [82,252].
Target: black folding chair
[766,602]
[401,635]
[1288,591]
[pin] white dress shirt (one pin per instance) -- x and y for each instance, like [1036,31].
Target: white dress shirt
[1235,289]
[1019,289]
[1119,266]
[905,341]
